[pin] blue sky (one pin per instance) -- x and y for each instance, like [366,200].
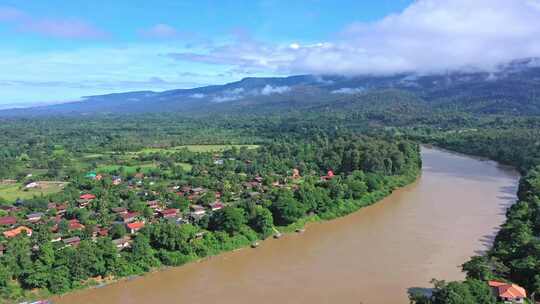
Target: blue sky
[120,45]
[60,50]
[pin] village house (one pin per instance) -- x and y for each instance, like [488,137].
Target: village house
[31,185]
[87,197]
[8,221]
[198,190]
[170,213]
[129,216]
[61,209]
[295,173]
[34,217]
[507,292]
[217,205]
[119,210]
[329,175]
[155,205]
[57,237]
[197,211]
[72,241]
[9,209]
[134,227]
[75,225]
[122,243]
[102,232]
[14,232]
[116,180]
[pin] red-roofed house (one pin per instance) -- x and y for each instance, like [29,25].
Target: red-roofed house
[329,175]
[134,227]
[8,221]
[75,225]
[129,217]
[87,197]
[216,206]
[507,292]
[169,213]
[14,232]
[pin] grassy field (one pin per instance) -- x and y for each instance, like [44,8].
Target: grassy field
[11,192]
[145,168]
[198,148]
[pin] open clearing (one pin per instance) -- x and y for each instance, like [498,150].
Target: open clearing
[14,191]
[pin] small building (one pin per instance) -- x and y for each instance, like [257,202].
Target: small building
[10,209]
[217,205]
[507,292]
[87,197]
[134,227]
[116,180]
[169,213]
[14,232]
[72,241]
[197,210]
[75,225]
[122,243]
[329,175]
[102,232]
[198,190]
[61,209]
[129,216]
[296,173]
[153,205]
[31,185]
[57,237]
[34,217]
[119,210]
[8,221]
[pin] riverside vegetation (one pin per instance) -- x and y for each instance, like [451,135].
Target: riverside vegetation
[362,140]
[130,207]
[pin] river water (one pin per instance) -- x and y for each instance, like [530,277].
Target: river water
[373,256]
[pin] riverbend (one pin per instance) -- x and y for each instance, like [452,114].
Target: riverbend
[423,231]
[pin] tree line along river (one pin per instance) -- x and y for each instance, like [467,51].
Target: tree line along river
[423,231]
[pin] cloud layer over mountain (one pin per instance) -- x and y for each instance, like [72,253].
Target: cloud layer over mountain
[428,36]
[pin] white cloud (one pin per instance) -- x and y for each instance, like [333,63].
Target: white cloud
[348,91]
[225,98]
[269,90]
[197,95]
[428,36]
[229,95]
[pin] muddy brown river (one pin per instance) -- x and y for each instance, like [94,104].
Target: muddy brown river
[373,256]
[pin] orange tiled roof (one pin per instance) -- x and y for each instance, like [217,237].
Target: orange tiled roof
[509,291]
[135,225]
[14,232]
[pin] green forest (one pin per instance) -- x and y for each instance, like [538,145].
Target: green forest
[118,196]
[130,204]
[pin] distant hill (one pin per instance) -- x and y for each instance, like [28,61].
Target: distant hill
[513,89]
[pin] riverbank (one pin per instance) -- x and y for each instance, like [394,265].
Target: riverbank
[373,256]
[349,207]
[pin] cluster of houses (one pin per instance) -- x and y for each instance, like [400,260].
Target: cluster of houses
[12,225]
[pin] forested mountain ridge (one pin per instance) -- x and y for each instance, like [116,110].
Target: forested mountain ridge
[511,89]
